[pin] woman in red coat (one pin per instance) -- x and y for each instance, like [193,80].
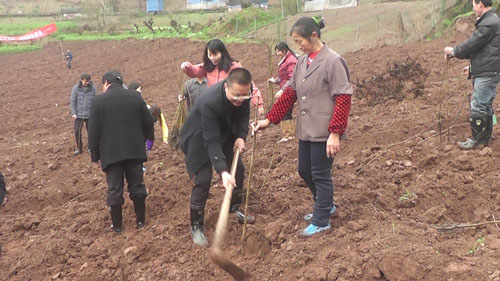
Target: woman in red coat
[287,63]
[217,63]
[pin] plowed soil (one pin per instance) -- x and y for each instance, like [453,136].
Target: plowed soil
[396,178]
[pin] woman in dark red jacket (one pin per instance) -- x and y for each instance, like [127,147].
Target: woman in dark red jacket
[287,63]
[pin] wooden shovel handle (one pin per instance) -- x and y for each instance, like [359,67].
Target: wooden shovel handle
[220,228]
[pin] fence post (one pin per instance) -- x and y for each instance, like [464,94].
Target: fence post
[236,26]
[356,38]
[279,30]
[255,26]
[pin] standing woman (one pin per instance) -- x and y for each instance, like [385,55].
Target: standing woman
[217,63]
[320,83]
[287,63]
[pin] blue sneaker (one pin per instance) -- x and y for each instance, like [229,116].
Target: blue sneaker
[308,217]
[312,229]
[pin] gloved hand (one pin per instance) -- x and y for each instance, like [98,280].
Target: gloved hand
[149,145]
[184,65]
[271,80]
[180,98]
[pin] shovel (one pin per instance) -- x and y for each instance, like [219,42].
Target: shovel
[216,253]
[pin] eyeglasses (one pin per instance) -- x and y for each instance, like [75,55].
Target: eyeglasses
[240,96]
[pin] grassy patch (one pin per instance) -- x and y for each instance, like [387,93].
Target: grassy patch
[10,28]
[9,49]
[339,32]
[197,25]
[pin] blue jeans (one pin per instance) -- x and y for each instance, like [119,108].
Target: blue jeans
[316,170]
[485,90]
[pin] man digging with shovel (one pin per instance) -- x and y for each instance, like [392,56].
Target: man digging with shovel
[215,128]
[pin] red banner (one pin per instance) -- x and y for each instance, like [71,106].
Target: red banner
[34,34]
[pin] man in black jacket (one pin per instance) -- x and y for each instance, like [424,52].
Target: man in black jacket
[482,48]
[118,126]
[216,126]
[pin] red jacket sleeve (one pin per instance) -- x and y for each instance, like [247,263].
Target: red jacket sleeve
[282,105]
[338,123]
[196,71]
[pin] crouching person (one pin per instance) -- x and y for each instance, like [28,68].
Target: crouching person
[215,128]
[118,127]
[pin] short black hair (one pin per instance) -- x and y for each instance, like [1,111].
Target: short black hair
[305,26]
[486,3]
[134,85]
[240,76]
[112,77]
[85,76]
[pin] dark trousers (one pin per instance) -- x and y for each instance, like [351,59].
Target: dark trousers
[78,131]
[115,174]
[3,191]
[203,177]
[316,170]
[68,63]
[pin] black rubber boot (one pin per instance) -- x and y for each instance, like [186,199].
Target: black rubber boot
[140,211]
[197,230]
[481,134]
[240,215]
[116,218]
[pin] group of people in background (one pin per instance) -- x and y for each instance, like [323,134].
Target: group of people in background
[220,95]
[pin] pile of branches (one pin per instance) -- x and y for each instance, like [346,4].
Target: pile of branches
[400,79]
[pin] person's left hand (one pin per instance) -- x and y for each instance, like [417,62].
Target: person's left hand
[332,145]
[239,143]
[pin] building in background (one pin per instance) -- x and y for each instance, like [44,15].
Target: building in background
[154,6]
[319,5]
[205,4]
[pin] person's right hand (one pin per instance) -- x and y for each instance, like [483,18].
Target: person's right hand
[271,80]
[184,65]
[180,98]
[260,125]
[228,180]
[73,116]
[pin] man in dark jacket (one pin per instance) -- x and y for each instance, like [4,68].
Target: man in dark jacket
[482,48]
[68,56]
[216,126]
[118,126]
[82,95]
[3,191]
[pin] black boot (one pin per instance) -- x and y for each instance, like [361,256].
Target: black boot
[197,231]
[116,218]
[481,135]
[240,215]
[140,211]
